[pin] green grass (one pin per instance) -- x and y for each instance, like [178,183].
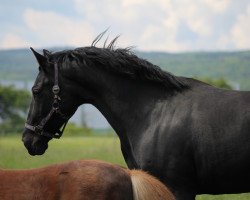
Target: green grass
[13,155]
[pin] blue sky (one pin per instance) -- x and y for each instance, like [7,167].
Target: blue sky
[159,25]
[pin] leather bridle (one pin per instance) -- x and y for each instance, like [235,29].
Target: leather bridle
[55,109]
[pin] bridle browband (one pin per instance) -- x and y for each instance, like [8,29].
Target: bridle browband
[39,129]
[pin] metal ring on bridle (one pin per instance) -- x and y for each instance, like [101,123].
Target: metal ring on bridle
[56,89]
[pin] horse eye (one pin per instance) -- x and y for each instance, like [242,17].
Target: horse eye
[35,90]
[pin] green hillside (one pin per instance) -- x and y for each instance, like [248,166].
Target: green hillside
[233,66]
[17,65]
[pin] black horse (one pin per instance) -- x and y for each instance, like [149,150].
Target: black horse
[192,136]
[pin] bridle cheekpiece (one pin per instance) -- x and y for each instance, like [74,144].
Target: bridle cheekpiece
[55,109]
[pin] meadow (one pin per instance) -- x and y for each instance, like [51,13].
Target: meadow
[13,155]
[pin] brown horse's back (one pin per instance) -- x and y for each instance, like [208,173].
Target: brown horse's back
[93,179]
[99,180]
[81,180]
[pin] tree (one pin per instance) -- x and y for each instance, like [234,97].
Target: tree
[13,108]
[221,82]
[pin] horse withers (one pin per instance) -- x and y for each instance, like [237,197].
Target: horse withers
[83,179]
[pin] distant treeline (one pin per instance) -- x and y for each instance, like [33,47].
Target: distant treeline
[13,109]
[232,66]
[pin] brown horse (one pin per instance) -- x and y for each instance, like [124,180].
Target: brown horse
[81,180]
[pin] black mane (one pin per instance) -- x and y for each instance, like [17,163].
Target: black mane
[123,62]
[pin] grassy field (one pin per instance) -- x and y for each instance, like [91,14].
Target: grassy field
[13,155]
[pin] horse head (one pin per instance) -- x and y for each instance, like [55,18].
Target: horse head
[51,107]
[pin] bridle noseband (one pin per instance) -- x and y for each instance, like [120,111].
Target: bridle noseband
[39,129]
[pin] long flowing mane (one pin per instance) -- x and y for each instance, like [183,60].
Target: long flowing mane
[123,62]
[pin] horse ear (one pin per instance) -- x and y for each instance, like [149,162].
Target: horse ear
[46,53]
[42,60]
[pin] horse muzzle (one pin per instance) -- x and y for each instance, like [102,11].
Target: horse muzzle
[36,145]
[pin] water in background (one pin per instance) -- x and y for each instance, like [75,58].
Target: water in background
[86,114]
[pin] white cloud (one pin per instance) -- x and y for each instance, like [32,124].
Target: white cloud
[241,30]
[197,19]
[218,6]
[168,25]
[54,29]
[13,41]
[156,24]
[159,25]
[128,3]
[237,36]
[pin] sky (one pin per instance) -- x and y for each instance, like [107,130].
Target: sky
[148,25]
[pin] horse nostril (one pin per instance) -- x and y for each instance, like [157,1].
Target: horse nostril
[27,138]
[23,139]
[36,142]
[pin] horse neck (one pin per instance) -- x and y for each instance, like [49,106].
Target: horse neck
[124,102]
